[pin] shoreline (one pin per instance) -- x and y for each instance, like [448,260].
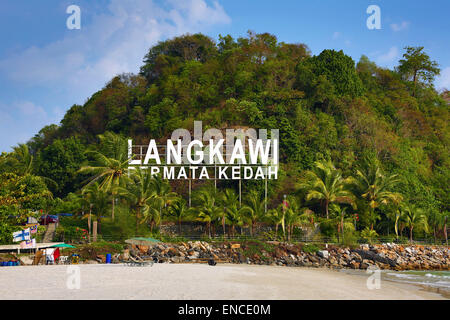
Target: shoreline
[444,292]
[385,256]
[197,282]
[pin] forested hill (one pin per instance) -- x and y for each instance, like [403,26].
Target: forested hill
[326,107]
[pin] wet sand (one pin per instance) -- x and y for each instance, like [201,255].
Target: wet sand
[196,281]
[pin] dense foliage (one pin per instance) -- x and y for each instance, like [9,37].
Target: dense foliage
[354,138]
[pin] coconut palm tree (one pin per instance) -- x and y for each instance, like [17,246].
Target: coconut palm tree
[397,220]
[139,192]
[292,218]
[234,217]
[109,165]
[445,227]
[228,198]
[113,145]
[277,217]
[151,214]
[179,211]
[433,220]
[206,209]
[438,221]
[254,211]
[295,215]
[21,162]
[374,188]
[340,217]
[326,184]
[163,196]
[414,217]
[98,200]
[369,234]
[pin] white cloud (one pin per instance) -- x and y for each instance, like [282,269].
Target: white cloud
[115,42]
[443,81]
[29,109]
[84,60]
[336,35]
[400,26]
[5,117]
[388,58]
[20,120]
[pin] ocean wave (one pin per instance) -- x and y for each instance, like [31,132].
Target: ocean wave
[437,279]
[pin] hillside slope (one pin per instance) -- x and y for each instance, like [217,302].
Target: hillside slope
[326,107]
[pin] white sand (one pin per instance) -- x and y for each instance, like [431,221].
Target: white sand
[196,281]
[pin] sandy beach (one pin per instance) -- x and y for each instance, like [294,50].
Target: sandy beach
[195,281]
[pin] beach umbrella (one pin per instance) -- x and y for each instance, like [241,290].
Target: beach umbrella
[146,239]
[62,245]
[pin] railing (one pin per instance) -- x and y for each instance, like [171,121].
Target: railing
[293,239]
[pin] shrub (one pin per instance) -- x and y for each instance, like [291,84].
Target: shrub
[269,236]
[350,238]
[310,248]
[369,235]
[328,228]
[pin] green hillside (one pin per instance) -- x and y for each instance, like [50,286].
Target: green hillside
[376,138]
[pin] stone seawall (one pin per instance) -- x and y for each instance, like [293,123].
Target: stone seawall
[385,256]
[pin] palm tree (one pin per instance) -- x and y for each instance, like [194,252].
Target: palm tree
[374,188]
[113,145]
[179,211]
[369,234]
[325,183]
[151,214]
[398,217]
[21,160]
[206,209]
[292,215]
[306,217]
[139,192]
[414,217]
[292,220]
[110,165]
[163,196]
[229,198]
[438,220]
[277,217]
[295,215]
[234,217]
[340,212]
[445,228]
[434,221]
[98,199]
[255,209]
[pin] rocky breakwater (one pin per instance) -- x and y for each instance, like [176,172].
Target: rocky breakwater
[197,251]
[401,257]
[385,256]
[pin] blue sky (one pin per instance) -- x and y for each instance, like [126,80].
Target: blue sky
[46,68]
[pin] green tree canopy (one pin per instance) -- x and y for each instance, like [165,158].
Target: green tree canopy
[417,66]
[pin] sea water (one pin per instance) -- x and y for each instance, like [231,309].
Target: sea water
[436,281]
[432,279]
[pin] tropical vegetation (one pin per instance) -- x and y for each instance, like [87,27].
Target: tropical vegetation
[363,149]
